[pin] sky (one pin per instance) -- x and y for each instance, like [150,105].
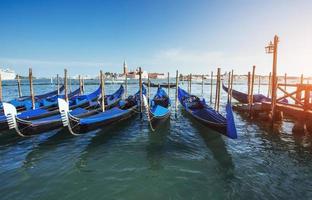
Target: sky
[192,36]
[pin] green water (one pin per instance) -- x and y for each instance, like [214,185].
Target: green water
[181,160]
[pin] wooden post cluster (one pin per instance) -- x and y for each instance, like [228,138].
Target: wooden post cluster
[31,89]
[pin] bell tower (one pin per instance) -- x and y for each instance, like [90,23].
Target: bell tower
[125,68]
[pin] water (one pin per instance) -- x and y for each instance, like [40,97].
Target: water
[181,160]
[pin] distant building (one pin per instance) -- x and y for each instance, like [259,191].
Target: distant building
[135,74]
[156,76]
[7,74]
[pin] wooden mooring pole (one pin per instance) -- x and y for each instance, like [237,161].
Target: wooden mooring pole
[80,85]
[126,86]
[168,85]
[259,83]
[190,83]
[58,84]
[102,91]
[274,78]
[141,92]
[217,100]
[231,86]
[31,89]
[251,90]
[202,86]
[269,86]
[211,89]
[176,92]
[285,81]
[219,88]
[70,83]
[148,89]
[66,85]
[19,86]
[248,87]
[0,88]
[83,84]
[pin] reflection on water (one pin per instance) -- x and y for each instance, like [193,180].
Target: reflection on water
[180,160]
[156,147]
[215,144]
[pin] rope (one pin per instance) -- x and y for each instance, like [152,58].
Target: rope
[146,106]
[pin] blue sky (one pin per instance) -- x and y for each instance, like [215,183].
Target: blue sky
[164,35]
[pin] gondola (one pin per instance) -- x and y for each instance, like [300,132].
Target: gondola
[243,97]
[24,102]
[96,119]
[47,121]
[158,110]
[208,116]
[46,109]
[163,85]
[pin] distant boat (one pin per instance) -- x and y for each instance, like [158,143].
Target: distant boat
[163,85]
[7,74]
[243,97]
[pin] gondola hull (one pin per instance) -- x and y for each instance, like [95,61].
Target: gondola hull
[220,128]
[158,120]
[243,97]
[34,129]
[100,119]
[207,116]
[44,111]
[84,128]
[48,121]
[159,110]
